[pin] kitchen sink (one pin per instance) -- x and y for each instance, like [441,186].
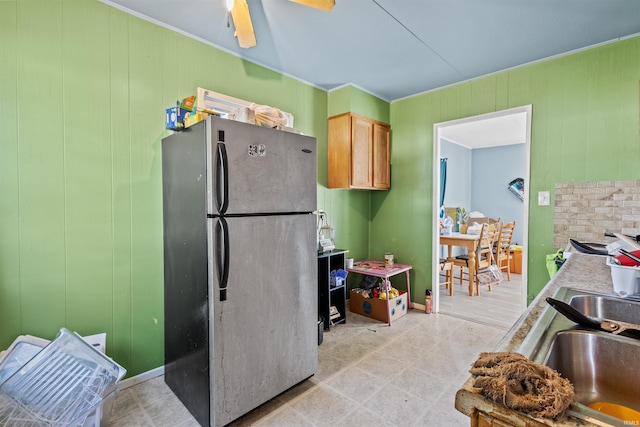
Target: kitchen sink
[607,307]
[601,366]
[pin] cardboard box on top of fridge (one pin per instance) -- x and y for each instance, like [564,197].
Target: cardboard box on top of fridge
[175,118]
[243,114]
[212,102]
[376,308]
[194,118]
[187,103]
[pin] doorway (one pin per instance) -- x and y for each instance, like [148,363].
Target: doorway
[490,128]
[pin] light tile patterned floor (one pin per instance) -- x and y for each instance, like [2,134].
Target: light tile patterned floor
[369,374]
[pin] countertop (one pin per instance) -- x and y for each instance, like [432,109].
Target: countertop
[580,271]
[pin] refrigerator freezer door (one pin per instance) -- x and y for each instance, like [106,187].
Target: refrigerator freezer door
[264,334]
[256,170]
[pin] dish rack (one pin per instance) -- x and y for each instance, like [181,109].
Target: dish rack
[60,386]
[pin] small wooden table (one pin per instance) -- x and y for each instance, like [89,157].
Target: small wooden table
[469,241]
[380,269]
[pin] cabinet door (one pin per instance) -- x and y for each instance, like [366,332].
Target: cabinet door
[381,175]
[358,153]
[361,153]
[339,152]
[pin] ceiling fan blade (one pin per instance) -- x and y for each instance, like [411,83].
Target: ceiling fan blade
[326,5]
[242,22]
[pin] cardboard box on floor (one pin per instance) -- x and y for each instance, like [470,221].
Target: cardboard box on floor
[376,308]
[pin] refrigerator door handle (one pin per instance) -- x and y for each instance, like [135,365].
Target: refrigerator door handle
[222,179]
[222,256]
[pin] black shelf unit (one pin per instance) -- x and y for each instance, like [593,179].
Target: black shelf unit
[328,296]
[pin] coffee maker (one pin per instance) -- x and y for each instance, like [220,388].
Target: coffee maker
[325,233]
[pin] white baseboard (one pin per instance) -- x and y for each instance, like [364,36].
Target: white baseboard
[140,378]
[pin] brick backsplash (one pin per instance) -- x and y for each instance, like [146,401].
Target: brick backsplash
[584,211]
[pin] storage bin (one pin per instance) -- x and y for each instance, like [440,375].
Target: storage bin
[626,280]
[337,278]
[60,386]
[516,261]
[376,308]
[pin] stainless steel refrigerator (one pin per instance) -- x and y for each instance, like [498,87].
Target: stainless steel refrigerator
[240,265]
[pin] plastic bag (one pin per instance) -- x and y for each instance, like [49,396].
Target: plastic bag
[554,261]
[268,116]
[447,226]
[474,229]
[490,275]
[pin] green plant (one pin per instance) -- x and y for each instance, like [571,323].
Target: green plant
[462,215]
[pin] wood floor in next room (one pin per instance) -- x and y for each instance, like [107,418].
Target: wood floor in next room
[369,374]
[501,306]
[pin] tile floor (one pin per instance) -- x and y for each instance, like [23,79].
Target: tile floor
[369,374]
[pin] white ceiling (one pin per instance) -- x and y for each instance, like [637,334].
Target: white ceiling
[488,132]
[398,48]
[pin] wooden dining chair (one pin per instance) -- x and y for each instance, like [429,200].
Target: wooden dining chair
[503,247]
[484,254]
[446,273]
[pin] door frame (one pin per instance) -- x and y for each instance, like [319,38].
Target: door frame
[435,249]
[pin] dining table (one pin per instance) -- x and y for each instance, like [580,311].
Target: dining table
[469,241]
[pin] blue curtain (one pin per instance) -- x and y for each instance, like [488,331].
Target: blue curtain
[443,181]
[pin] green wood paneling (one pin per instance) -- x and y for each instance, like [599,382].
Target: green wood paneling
[41,180]
[10,314]
[393,211]
[339,101]
[121,342]
[87,169]
[354,100]
[147,110]
[368,105]
[584,128]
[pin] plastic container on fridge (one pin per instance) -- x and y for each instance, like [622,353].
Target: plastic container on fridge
[59,386]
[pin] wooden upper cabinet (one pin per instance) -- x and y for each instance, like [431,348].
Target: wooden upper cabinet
[361,152]
[381,160]
[358,153]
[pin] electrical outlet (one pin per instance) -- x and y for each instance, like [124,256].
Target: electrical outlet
[543,198]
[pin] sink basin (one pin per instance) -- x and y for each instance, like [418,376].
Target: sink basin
[607,307]
[602,367]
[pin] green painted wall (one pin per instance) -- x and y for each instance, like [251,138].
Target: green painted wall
[584,128]
[351,99]
[83,90]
